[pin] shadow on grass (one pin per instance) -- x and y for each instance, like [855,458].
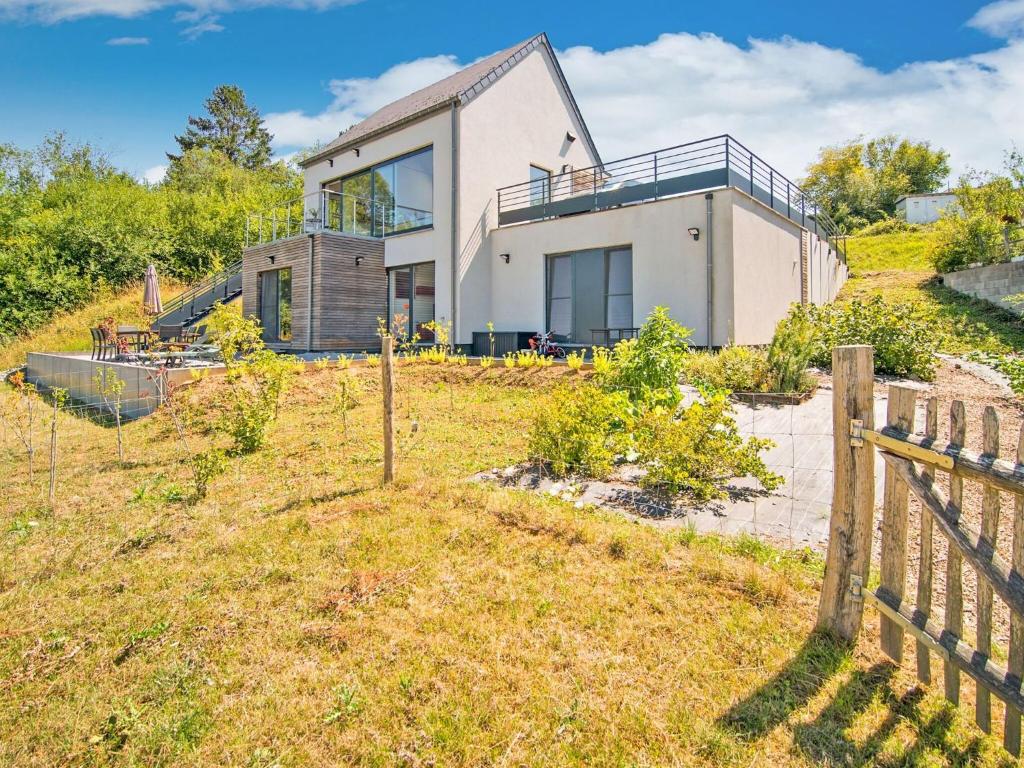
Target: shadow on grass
[300,502]
[976,317]
[826,739]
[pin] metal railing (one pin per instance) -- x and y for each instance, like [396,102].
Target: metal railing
[216,287]
[720,161]
[333,211]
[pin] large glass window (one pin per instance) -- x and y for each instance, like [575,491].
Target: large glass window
[590,293]
[396,196]
[411,300]
[540,185]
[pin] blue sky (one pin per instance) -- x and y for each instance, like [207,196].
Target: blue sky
[783,77]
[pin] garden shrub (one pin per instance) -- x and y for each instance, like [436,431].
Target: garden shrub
[737,369]
[965,240]
[902,335]
[696,452]
[580,428]
[790,354]
[648,367]
[888,226]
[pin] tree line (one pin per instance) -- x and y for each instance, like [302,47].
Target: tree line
[71,223]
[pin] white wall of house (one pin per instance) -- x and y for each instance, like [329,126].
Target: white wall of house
[432,244]
[826,273]
[924,209]
[521,119]
[669,267]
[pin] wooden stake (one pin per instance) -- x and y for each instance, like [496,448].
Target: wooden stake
[893,577]
[954,618]
[388,381]
[989,531]
[1015,661]
[924,578]
[853,496]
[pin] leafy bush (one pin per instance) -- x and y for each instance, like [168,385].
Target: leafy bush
[1010,366]
[965,240]
[580,428]
[574,360]
[790,354]
[901,334]
[700,450]
[648,367]
[888,226]
[737,369]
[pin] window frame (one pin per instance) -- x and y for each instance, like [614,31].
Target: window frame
[545,186]
[372,170]
[412,294]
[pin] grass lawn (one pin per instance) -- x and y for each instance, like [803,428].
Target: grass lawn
[897,266]
[302,615]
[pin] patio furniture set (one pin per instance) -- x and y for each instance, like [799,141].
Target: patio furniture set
[170,345]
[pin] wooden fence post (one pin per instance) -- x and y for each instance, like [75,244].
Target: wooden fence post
[953,620]
[388,386]
[1015,661]
[926,565]
[989,531]
[893,565]
[853,493]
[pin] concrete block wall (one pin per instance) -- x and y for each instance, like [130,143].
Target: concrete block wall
[993,283]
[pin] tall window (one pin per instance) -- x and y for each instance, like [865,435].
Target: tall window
[540,185]
[276,305]
[396,196]
[589,292]
[411,300]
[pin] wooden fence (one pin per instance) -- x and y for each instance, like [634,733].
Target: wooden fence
[912,460]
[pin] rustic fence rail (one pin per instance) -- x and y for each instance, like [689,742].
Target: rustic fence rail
[915,464]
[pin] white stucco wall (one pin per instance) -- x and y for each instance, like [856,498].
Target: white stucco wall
[669,267]
[520,120]
[425,245]
[826,273]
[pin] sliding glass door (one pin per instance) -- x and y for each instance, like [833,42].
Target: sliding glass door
[411,300]
[589,292]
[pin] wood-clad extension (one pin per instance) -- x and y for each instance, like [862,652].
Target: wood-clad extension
[347,297]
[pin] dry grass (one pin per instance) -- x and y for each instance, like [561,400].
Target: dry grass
[304,615]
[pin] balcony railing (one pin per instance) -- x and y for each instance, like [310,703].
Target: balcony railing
[699,165]
[336,212]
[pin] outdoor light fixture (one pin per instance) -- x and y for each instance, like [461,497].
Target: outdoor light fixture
[505,256]
[569,137]
[330,161]
[694,233]
[356,150]
[271,257]
[359,260]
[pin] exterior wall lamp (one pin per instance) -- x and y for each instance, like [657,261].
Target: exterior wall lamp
[569,137]
[694,232]
[359,260]
[505,256]
[271,257]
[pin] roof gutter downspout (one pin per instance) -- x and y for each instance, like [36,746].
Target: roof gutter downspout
[309,298]
[454,219]
[709,198]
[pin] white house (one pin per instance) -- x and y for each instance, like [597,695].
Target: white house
[925,208]
[483,198]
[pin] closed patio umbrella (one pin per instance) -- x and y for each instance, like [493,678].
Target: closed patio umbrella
[151,292]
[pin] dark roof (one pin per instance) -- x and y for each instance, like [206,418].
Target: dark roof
[460,87]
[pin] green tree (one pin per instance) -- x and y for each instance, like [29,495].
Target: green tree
[860,181]
[232,127]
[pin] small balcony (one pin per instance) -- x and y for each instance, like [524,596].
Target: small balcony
[327,210]
[714,163]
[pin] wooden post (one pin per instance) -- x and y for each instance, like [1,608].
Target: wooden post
[954,617]
[853,495]
[989,531]
[1015,661]
[388,382]
[924,578]
[893,566]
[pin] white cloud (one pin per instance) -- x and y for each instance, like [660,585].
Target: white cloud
[155,174]
[783,98]
[1003,18]
[128,41]
[200,15]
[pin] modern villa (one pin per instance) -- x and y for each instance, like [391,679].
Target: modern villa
[483,199]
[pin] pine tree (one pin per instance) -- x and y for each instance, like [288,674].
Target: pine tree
[233,128]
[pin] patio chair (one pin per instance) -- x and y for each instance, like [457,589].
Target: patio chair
[97,343]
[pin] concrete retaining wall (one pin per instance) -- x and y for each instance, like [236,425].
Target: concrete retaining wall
[992,283]
[143,390]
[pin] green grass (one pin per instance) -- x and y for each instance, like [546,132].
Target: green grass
[303,614]
[897,267]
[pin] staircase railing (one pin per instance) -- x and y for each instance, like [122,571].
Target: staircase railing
[208,285]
